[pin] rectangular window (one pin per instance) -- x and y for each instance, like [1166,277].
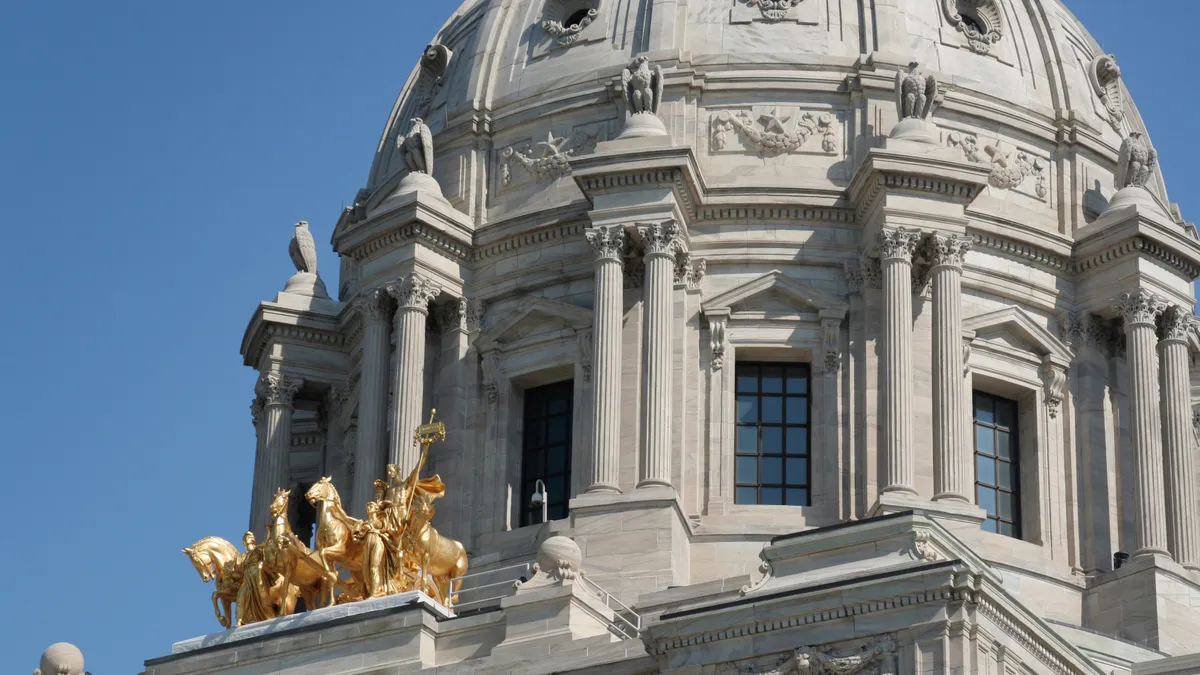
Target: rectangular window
[997,469]
[546,451]
[772,463]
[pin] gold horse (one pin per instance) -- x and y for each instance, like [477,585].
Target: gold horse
[335,542]
[439,558]
[300,566]
[216,558]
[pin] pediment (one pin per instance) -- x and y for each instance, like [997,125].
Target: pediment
[536,316]
[1014,328]
[775,292]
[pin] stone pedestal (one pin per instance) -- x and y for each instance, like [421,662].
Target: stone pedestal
[556,613]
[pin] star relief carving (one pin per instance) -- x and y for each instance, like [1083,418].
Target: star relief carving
[553,161]
[773,132]
[773,122]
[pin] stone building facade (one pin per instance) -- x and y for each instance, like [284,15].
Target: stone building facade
[839,336]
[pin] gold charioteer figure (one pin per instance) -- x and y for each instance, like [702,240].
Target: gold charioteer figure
[395,550]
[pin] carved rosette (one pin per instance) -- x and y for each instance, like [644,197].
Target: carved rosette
[946,250]
[1140,308]
[608,242]
[717,342]
[898,243]
[1174,324]
[664,238]
[413,292]
[277,389]
[373,306]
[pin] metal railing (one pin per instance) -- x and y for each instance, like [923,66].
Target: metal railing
[627,624]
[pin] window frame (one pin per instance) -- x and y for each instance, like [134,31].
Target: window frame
[1013,432]
[532,453]
[786,369]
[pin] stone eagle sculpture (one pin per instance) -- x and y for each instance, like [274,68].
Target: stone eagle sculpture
[916,94]
[416,148]
[643,86]
[1137,161]
[303,249]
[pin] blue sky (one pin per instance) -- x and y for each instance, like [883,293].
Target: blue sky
[153,157]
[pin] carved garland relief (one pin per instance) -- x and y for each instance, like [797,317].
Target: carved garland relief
[564,22]
[1011,167]
[549,159]
[775,11]
[979,21]
[773,132]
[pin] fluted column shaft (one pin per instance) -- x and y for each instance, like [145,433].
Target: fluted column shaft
[257,410]
[277,392]
[412,295]
[608,243]
[661,241]
[952,459]
[896,248]
[375,308]
[1141,310]
[1183,503]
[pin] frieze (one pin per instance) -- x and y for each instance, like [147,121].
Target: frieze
[547,160]
[1010,166]
[773,132]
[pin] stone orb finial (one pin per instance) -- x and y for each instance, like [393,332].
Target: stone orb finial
[560,557]
[61,658]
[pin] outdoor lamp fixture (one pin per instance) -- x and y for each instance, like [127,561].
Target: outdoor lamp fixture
[540,497]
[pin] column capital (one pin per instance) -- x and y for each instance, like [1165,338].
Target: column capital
[946,250]
[336,399]
[608,242]
[663,238]
[1139,308]
[854,276]
[689,271]
[898,243]
[460,314]
[277,389]
[257,404]
[373,306]
[1174,324]
[413,292]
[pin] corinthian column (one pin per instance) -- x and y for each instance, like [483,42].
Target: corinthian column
[257,408]
[951,456]
[277,392]
[412,295]
[661,241]
[375,308]
[1141,310]
[896,248]
[1183,523]
[608,243]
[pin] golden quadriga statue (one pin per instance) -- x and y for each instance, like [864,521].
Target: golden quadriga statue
[394,550]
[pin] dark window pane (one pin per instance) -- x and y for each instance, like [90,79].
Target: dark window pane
[772,380]
[556,430]
[985,440]
[747,440]
[746,495]
[1006,414]
[557,487]
[772,440]
[1004,505]
[1006,475]
[747,470]
[1006,529]
[797,441]
[989,525]
[556,459]
[771,496]
[556,405]
[797,472]
[985,470]
[984,409]
[1003,445]
[772,410]
[797,497]
[797,410]
[546,449]
[797,382]
[747,408]
[535,433]
[772,471]
[747,379]
[987,499]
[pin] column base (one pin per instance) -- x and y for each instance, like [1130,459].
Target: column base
[896,502]
[899,489]
[602,488]
[654,483]
[1143,552]
[951,497]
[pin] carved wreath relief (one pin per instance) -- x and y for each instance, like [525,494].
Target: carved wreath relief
[774,133]
[980,22]
[1010,166]
[877,657]
[549,159]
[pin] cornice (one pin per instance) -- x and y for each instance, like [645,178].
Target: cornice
[558,232]
[411,232]
[1030,253]
[274,322]
[836,216]
[886,170]
[1134,246]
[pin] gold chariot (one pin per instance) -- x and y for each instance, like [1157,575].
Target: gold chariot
[394,550]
